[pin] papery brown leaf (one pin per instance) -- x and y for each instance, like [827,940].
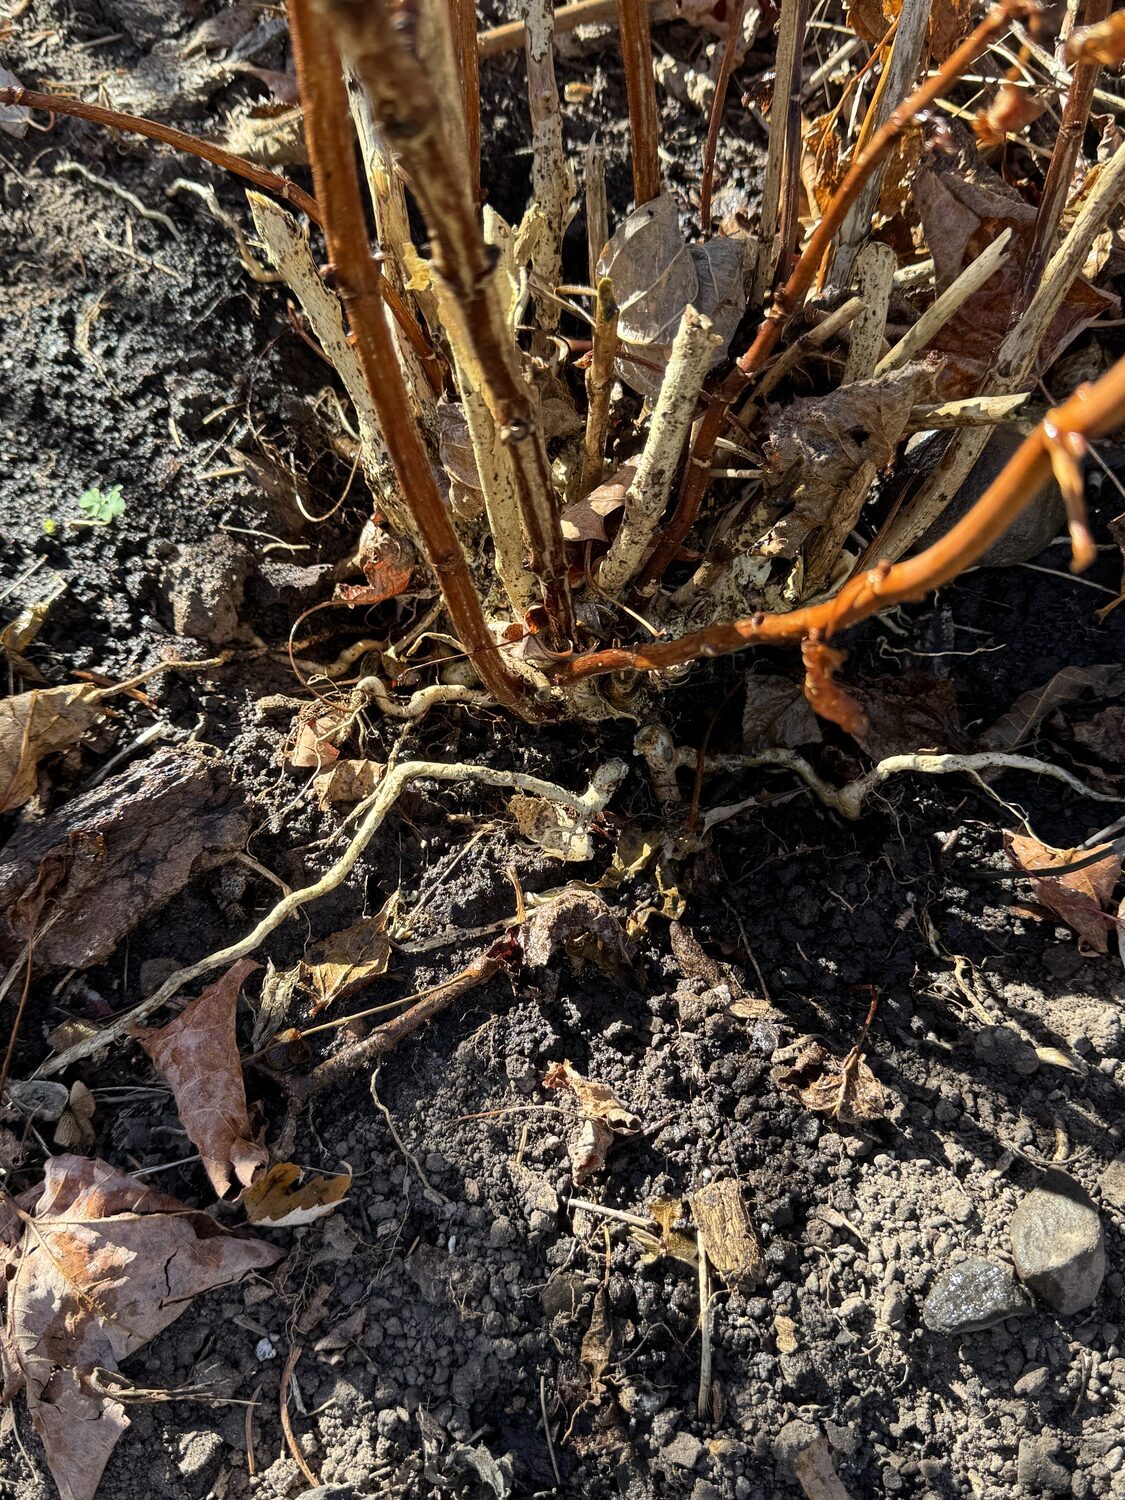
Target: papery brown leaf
[198,1055]
[671,1242]
[950,23]
[1015,727]
[1009,111]
[75,1130]
[597,1348]
[284,1197]
[826,697]
[777,714]
[571,915]
[1103,42]
[872,19]
[348,961]
[348,781]
[1080,898]
[845,1089]
[732,1246]
[108,1265]
[311,740]
[603,1117]
[914,711]
[822,165]
[584,521]
[37,724]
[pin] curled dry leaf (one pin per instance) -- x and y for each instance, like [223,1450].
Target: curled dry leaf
[914,711]
[655,276]
[37,724]
[1081,898]
[75,1130]
[311,739]
[284,1197]
[670,1241]
[572,915]
[1107,680]
[845,1089]
[584,521]
[1011,109]
[603,1117]
[198,1054]
[104,1266]
[1102,43]
[777,714]
[347,961]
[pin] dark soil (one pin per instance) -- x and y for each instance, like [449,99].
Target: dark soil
[475,1280]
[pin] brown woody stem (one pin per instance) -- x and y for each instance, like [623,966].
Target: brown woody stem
[640,86]
[714,124]
[332,155]
[464,16]
[410,117]
[62,104]
[791,296]
[1090,413]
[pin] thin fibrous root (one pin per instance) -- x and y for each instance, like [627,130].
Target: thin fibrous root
[373,814]
[849,800]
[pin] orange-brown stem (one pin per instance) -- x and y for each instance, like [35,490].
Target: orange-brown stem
[332,154]
[62,104]
[464,15]
[790,297]
[1090,413]
[640,86]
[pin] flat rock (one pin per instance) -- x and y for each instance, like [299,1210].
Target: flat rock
[207,582]
[1038,1470]
[1058,1245]
[684,1451]
[1112,1182]
[974,1294]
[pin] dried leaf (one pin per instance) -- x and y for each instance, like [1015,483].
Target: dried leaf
[1080,898]
[584,521]
[596,1352]
[826,696]
[1011,109]
[573,914]
[656,276]
[872,19]
[108,1265]
[1029,710]
[348,781]
[1104,735]
[37,724]
[455,447]
[280,1199]
[1103,42]
[555,829]
[669,1242]
[950,24]
[822,164]
[75,1130]
[312,740]
[198,1055]
[603,1117]
[777,714]
[728,1237]
[348,961]
[914,711]
[845,1089]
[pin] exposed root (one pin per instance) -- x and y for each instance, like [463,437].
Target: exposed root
[375,690]
[373,814]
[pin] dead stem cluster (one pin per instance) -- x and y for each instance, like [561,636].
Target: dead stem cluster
[698,451]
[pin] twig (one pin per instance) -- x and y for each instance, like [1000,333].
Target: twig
[1090,413]
[735,21]
[599,387]
[62,104]
[939,312]
[706,1330]
[332,153]
[372,815]
[693,350]
[787,66]
[464,277]
[640,87]
[428,1187]
[552,178]
[286,1424]
[464,13]
[509,37]
[547,1430]
[597,207]
[637,1220]
[875,269]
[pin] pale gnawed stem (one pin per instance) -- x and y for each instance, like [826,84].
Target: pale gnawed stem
[640,86]
[970,411]
[1090,413]
[509,36]
[1068,142]
[820,559]
[410,118]
[599,387]
[597,207]
[787,65]
[1015,360]
[464,13]
[552,178]
[501,503]
[938,314]
[894,84]
[874,278]
[332,154]
[286,244]
[693,350]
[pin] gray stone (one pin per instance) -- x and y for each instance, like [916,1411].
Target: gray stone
[683,1452]
[1113,1182]
[1057,1244]
[972,1295]
[1032,1382]
[1005,1050]
[207,582]
[1038,1470]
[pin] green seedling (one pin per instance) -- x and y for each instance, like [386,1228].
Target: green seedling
[102,509]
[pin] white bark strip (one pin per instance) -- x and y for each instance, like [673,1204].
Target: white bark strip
[552,177]
[692,352]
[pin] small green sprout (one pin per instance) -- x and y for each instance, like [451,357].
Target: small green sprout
[102,509]
[50,526]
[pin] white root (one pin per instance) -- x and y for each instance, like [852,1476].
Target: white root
[373,814]
[375,690]
[692,352]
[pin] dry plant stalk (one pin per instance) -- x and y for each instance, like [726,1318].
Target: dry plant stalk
[1090,413]
[779,152]
[552,179]
[464,15]
[640,86]
[463,272]
[332,153]
[599,387]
